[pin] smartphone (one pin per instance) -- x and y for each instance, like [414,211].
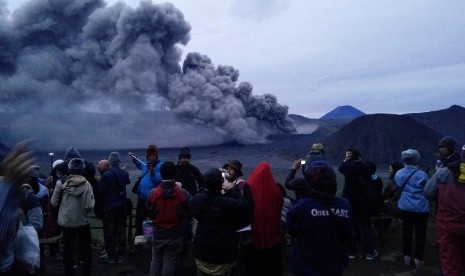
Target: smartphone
[302,162]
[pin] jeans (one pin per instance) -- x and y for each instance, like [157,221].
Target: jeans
[80,237]
[165,254]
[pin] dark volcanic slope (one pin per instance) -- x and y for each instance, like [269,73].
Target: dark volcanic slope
[382,137]
[448,122]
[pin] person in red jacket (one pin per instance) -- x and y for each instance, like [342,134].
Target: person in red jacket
[169,204]
[448,186]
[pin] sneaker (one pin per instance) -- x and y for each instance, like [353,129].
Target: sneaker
[372,255]
[351,256]
[103,256]
[407,259]
[110,261]
[419,263]
[121,259]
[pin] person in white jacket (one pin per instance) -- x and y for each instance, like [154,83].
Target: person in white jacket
[75,200]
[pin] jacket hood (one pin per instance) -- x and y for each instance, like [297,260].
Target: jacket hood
[74,185]
[169,188]
[71,153]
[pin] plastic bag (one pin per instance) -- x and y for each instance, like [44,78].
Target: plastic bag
[27,250]
[147,228]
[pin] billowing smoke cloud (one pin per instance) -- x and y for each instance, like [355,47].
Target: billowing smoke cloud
[62,56]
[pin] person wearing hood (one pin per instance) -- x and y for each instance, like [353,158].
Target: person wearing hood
[75,200]
[112,191]
[447,185]
[169,204]
[89,171]
[220,213]
[268,200]
[321,225]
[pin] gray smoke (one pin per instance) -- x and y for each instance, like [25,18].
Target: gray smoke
[62,56]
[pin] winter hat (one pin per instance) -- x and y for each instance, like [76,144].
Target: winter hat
[410,157]
[57,162]
[151,150]
[321,178]
[185,153]
[76,166]
[168,170]
[71,153]
[236,165]
[34,171]
[448,143]
[213,179]
[114,158]
[317,148]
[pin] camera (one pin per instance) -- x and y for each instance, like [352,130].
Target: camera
[51,154]
[302,162]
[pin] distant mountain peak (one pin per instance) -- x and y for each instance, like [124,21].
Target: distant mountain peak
[343,112]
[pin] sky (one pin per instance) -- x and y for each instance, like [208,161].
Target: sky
[378,56]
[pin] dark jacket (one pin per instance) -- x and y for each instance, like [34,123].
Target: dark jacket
[354,190]
[322,229]
[298,185]
[112,187]
[219,217]
[190,178]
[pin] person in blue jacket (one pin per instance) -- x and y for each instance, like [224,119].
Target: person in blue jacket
[321,225]
[150,173]
[414,205]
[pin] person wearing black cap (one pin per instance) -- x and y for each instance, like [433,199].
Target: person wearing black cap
[75,200]
[112,189]
[321,224]
[220,215]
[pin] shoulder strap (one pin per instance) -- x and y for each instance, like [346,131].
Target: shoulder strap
[408,178]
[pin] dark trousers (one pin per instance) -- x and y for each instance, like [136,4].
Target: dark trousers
[266,261]
[451,252]
[362,227]
[114,230]
[141,215]
[414,222]
[80,237]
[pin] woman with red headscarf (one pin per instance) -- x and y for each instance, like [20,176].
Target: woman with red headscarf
[266,226]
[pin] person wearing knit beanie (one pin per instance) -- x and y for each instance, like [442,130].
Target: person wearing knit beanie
[114,158]
[447,188]
[447,152]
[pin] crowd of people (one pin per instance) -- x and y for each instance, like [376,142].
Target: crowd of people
[231,224]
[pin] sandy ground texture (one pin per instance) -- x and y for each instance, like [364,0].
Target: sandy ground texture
[389,261]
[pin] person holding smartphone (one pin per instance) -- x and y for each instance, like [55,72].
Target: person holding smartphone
[356,172]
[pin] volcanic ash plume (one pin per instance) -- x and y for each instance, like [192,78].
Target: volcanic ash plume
[61,56]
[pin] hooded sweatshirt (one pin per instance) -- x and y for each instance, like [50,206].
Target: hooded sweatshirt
[75,199]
